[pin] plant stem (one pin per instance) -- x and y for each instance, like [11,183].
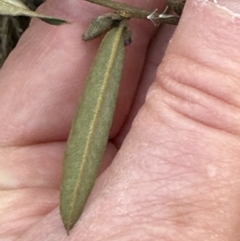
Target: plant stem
[133,12]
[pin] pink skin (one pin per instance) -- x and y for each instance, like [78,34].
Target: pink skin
[177,173]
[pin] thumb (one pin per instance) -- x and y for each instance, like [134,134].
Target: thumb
[177,173]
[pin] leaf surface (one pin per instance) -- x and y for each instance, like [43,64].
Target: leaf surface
[18,8]
[90,130]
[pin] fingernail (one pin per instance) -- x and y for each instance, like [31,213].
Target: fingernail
[231,5]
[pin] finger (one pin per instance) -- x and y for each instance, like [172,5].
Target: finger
[156,52]
[44,76]
[180,163]
[177,173]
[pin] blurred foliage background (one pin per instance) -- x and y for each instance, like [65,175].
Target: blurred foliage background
[11,28]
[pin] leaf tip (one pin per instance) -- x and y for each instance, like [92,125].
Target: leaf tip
[55,21]
[68,228]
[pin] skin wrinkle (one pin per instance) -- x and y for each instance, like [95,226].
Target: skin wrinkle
[159,119]
[168,77]
[168,87]
[181,101]
[192,66]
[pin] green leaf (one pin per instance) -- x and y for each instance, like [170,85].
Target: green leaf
[53,21]
[101,24]
[90,130]
[18,8]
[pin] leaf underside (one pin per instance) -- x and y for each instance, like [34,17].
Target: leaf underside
[18,8]
[90,130]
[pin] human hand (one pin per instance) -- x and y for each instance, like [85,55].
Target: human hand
[176,175]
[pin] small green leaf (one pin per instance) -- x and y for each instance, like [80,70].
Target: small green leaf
[18,8]
[54,21]
[90,130]
[100,25]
